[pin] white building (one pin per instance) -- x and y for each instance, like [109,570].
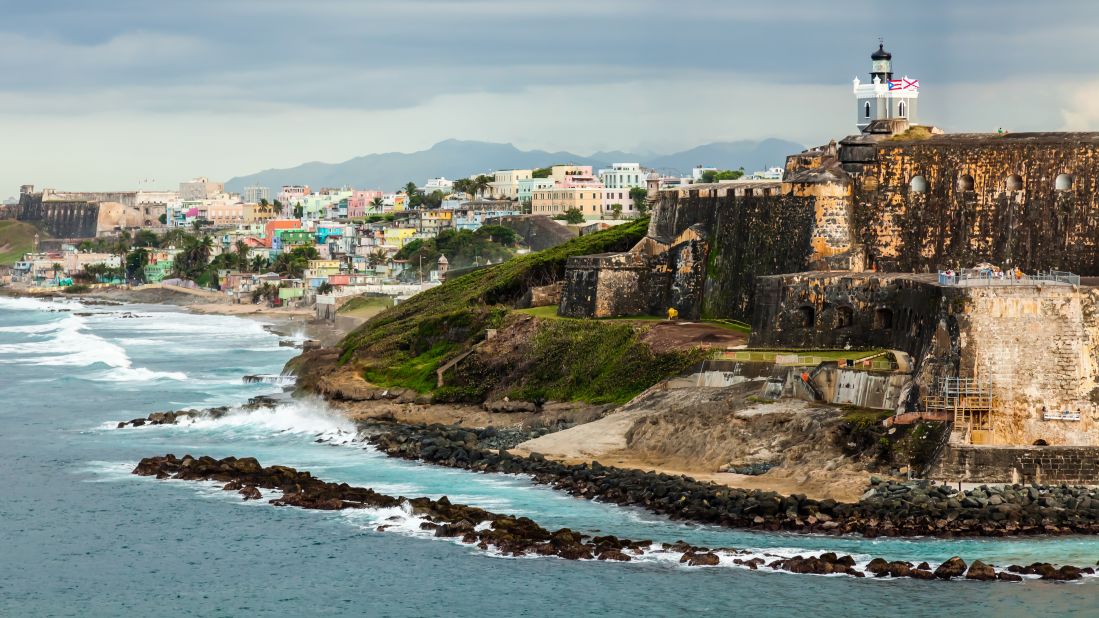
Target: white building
[698,171]
[885,98]
[622,176]
[438,184]
[292,194]
[505,184]
[771,173]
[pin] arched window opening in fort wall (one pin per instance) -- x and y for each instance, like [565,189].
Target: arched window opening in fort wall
[883,318]
[807,317]
[845,317]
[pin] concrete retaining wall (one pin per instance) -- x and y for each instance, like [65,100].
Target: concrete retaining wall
[1003,464]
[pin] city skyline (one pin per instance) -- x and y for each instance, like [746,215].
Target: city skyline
[103,97]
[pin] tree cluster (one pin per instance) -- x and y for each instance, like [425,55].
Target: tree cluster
[715,175]
[461,247]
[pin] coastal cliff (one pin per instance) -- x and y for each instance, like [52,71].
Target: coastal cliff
[467,341]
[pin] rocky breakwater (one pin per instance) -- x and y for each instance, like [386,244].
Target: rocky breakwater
[888,509]
[520,536]
[175,417]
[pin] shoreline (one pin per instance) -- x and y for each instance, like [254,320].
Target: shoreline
[280,318]
[821,515]
[520,536]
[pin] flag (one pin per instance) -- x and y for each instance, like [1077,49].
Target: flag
[904,84]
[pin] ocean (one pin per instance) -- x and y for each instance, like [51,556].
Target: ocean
[80,535]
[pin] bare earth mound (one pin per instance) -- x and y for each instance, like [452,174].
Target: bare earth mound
[698,430]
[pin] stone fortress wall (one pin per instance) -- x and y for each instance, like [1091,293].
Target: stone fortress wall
[705,245]
[924,201]
[1035,345]
[79,214]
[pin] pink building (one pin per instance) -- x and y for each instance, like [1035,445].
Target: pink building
[359,204]
[292,194]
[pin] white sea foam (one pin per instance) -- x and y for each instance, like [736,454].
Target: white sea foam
[37,304]
[299,416]
[31,328]
[71,345]
[138,374]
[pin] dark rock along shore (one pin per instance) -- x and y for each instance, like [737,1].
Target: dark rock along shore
[894,509]
[521,536]
[891,509]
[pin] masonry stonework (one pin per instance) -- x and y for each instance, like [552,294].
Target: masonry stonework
[999,464]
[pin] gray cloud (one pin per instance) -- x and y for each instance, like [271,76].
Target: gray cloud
[240,69]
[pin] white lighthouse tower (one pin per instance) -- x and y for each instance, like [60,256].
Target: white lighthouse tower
[885,97]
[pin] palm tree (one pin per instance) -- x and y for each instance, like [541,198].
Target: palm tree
[259,264]
[206,245]
[376,204]
[57,268]
[242,255]
[376,257]
[464,185]
[481,184]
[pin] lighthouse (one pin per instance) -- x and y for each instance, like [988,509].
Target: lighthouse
[885,97]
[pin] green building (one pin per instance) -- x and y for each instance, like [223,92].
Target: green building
[155,273]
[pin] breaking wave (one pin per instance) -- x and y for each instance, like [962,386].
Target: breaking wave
[304,417]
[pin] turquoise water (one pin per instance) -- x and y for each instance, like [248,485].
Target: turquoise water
[80,535]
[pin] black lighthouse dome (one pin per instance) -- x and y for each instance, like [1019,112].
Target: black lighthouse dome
[882,63]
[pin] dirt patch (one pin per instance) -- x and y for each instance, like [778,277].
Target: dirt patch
[467,415]
[696,431]
[666,336]
[150,296]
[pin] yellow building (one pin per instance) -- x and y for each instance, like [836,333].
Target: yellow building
[435,220]
[257,213]
[399,236]
[558,200]
[323,268]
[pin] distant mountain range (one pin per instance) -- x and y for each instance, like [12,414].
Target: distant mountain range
[458,159]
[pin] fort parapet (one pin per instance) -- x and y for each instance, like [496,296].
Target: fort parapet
[65,214]
[1032,345]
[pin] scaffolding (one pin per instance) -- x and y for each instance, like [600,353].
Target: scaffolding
[969,400]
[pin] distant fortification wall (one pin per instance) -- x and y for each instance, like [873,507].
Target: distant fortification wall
[62,218]
[80,214]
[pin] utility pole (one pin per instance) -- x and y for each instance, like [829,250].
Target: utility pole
[421,270]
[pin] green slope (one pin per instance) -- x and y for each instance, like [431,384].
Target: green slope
[402,345]
[16,238]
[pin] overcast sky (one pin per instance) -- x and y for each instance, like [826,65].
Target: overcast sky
[103,94]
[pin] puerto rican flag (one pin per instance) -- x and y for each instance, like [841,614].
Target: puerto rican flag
[904,84]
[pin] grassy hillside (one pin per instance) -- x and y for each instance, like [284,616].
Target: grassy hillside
[16,238]
[404,345]
[564,359]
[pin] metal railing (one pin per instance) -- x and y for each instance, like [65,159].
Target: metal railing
[793,359]
[1065,415]
[970,400]
[987,276]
